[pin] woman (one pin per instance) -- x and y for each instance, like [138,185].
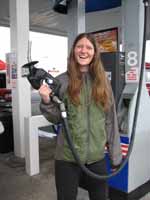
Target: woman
[92,121]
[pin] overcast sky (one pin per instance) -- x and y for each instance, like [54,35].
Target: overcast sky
[50,50]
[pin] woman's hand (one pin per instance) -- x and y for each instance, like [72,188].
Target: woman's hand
[45,93]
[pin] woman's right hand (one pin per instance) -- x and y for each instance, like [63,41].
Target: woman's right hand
[45,93]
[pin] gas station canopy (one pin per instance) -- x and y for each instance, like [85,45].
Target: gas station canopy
[44,19]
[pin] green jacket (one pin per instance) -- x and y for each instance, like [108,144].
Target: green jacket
[89,125]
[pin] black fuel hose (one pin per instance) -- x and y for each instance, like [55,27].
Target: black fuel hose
[65,122]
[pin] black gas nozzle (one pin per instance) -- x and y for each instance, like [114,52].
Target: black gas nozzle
[36,77]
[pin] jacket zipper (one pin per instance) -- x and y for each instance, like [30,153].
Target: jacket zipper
[87,113]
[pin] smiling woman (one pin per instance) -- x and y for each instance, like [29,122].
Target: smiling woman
[84,52]
[90,107]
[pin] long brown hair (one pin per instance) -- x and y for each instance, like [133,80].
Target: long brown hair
[100,87]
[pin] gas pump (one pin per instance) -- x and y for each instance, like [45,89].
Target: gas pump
[131,182]
[114,64]
[125,95]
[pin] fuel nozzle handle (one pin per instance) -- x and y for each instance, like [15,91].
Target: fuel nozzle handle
[36,76]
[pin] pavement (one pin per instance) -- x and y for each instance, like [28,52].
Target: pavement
[15,184]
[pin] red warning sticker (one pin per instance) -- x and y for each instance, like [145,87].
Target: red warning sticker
[132,75]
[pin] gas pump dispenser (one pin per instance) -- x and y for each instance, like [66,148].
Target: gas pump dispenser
[114,64]
[133,107]
[135,175]
[132,181]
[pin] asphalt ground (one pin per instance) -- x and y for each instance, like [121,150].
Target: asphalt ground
[15,184]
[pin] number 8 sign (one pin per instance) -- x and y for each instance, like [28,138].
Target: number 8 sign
[132,58]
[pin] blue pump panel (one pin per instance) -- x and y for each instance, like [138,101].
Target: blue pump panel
[120,181]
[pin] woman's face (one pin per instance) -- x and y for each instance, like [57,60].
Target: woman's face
[84,52]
